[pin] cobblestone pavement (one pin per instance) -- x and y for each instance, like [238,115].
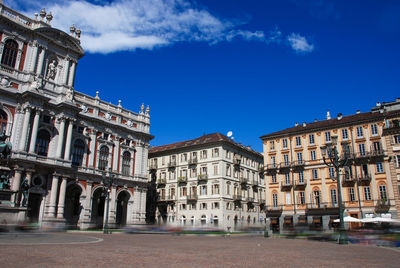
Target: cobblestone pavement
[124,250]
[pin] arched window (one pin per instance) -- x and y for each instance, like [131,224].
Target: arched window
[3,122]
[10,53]
[77,153]
[103,159]
[126,163]
[42,142]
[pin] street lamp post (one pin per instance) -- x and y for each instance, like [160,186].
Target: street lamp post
[334,160]
[107,182]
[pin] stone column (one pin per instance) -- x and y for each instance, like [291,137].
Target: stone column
[33,57]
[92,149]
[71,74]
[24,132]
[53,196]
[116,155]
[66,71]
[34,132]
[60,138]
[69,140]
[16,183]
[88,205]
[61,198]
[136,205]
[40,63]
[143,207]
[112,214]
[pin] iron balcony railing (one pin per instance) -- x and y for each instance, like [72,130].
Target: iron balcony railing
[202,177]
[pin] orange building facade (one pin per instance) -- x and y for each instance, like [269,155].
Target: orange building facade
[301,190]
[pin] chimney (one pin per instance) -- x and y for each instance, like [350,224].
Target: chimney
[328,115]
[358,112]
[296,124]
[339,116]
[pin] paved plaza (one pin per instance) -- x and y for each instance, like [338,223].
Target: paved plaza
[124,250]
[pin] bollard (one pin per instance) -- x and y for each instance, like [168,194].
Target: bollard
[265,234]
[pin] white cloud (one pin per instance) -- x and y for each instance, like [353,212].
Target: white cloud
[110,26]
[299,43]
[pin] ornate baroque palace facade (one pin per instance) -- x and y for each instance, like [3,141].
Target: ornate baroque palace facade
[207,181]
[302,190]
[66,144]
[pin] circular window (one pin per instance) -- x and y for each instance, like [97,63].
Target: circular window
[37,181]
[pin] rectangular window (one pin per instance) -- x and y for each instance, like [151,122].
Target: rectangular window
[332,172]
[273,178]
[382,192]
[301,177]
[275,200]
[215,152]
[311,139]
[287,179]
[374,130]
[333,197]
[228,154]
[273,161]
[396,139]
[286,159]
[215,169]
[361,148]
[328,137]
[367,193]
[288,198]
[397,160]
[272,146]
[315,174]
[204,154]
[284,144]
[345,134]
[302,198]
[352,196]
[313,155]
[376,147]
[298,141]
[379,167]
[360,133]
[300,157]
[228,170]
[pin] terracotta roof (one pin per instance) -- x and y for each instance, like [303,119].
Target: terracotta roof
[205,139]
[332,123]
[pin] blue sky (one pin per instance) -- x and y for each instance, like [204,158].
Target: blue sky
[252,67]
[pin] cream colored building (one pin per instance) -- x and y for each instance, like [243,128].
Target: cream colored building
[64,141]
[300,188]
[208,181]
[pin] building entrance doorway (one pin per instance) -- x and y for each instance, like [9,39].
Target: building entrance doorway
[34,201]
[98,208]
[122,208]
[73,207]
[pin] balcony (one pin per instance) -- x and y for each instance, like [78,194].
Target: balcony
[283,167]
[237,160]
[322,209]
[182,179]
[286,186]
[191,198]
[250,199]
[382,206]
[192,161]
[348,181]
[153,166]
[300,184]
[172,164]
[243,181]
[298,165]
[161,182]
[273,211]
[261,201]
[261,169]
[237,197]
[364,179]
[271,168]
[166,198]
[202,178]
